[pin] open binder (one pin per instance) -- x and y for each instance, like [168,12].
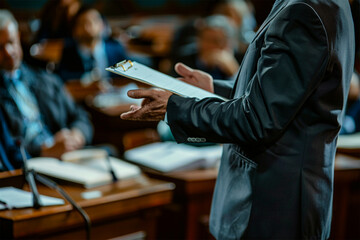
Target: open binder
[168,157]
[144,74]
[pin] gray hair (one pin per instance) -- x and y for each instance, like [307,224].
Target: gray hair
[6,17]
[222,22]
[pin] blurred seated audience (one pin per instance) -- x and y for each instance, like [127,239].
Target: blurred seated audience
[241,13]
[10,155]
[215,51]
[351,123]
[55,19]
[35,105]
[88,53]
[355,10]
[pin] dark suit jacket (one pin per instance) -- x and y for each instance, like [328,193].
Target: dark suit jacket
[281,124]
[10,155]
[73,66]
[56,106]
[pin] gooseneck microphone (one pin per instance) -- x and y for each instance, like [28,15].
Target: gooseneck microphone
[110,168]
[29,176]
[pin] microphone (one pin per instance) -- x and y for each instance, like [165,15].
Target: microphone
[110,168]
[29,176]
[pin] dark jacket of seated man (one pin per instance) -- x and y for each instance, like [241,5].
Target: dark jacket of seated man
[10,155]
[75,63]
[57,110]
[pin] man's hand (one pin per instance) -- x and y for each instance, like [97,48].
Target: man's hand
[64,141]
[223,59]
[195,77]
[153,107]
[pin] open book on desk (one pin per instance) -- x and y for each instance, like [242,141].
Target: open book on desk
[11,197]
[144,74]
[87,168]
[170,156]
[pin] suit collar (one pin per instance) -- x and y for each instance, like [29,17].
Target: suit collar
[277,7]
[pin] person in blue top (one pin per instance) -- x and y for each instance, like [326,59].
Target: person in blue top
[86,55]
[35,105]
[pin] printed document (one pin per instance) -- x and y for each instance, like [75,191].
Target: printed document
[144,74]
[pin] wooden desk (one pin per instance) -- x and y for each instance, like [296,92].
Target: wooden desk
[188,213]
[110,128]
[346,207]
[126,207]
[187,217]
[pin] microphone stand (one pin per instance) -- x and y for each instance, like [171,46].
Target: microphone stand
[29,176]
[110,168]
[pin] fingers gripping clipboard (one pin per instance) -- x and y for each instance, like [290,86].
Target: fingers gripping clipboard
[144,74]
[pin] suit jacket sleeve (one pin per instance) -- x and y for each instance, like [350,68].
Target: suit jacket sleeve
[223,87]
[286,76]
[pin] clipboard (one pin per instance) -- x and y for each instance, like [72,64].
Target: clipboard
[144,74]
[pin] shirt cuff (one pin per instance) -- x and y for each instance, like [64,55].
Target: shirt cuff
[165,118]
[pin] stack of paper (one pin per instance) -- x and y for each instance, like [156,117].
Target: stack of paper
[144,74]
[170,156]
[350,141]
[88,172]
[11,197]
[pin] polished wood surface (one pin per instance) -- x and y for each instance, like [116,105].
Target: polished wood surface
[125,207]
[346,209]
[187,217]
[194,189]
[132,207]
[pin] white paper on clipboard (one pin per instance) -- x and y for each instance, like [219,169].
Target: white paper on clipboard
[142,73]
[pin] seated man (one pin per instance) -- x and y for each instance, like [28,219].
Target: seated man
[215,52]
[87,55]
[34,103]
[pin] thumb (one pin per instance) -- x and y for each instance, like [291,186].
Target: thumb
[184,70]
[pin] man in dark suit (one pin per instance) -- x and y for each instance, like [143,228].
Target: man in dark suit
[88,53]
[280,125]
[35,104]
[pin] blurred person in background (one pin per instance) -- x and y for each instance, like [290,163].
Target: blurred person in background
[35,105]
[89,52]
[352,115]
[55,19]
[215,51]
[241,14]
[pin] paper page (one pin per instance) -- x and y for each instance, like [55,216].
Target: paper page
[351,141]
[18,198]
[170,156]
[86,176]
[121,168]
[155,78]
[84,170]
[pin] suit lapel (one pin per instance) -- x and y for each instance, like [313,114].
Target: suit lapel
[278,6]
